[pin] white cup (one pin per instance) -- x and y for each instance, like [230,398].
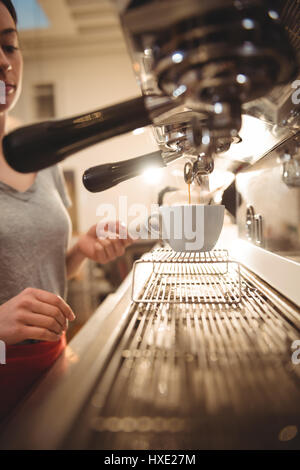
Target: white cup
[188,227]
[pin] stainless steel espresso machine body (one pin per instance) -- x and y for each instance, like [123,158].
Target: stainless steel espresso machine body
[235,74]
[205,355]
[214,58]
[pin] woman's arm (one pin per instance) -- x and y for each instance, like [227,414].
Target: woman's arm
[101,250]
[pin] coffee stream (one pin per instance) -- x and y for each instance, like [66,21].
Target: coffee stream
[204,191]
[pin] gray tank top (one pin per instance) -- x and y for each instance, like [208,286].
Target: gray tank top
[35,230]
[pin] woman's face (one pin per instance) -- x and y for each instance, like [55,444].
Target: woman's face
[11,61]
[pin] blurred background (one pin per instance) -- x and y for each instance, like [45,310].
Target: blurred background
[75,61]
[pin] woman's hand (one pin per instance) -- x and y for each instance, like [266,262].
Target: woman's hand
[101,245]
[34,314]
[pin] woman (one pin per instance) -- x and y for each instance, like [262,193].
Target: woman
[35,261]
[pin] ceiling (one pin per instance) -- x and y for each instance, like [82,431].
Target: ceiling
[75,27]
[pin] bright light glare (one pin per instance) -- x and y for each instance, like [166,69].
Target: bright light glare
[152,175]
[177,57]
[218,108]
[205,140]
[273,14]
[179,91]
[248,23]
[139,131]
[256,140]
[237,249]
[241,78]
[220,179]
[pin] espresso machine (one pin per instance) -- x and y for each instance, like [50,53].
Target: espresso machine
[194,351]
[198,67]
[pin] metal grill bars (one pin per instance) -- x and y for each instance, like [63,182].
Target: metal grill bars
[164,276]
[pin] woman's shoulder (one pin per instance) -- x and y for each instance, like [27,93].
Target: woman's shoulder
[54,171]
[54,174]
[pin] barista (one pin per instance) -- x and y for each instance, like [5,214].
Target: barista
[36,260]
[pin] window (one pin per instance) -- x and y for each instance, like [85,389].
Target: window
[44,98]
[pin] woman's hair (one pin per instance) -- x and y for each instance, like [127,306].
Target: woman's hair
[11,9]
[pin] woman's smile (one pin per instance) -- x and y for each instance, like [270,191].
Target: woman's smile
[10,88]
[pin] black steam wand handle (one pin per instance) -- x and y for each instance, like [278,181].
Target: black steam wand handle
[102,177]
[32,148]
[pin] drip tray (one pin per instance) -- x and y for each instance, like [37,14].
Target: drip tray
[197,375]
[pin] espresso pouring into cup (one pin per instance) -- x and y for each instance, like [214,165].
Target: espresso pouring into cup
[187,227]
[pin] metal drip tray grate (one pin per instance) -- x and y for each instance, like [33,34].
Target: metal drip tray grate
[190,376]
[163,255]
[168,277]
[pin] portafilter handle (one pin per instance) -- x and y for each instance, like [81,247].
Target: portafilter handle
[38,146]
[102,177]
